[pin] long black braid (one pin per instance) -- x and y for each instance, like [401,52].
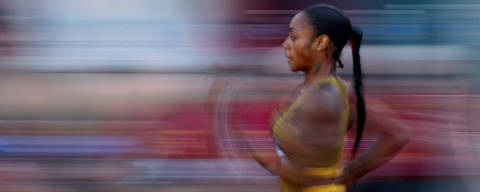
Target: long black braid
[355,41]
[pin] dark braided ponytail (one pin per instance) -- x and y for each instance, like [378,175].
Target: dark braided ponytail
[355,41]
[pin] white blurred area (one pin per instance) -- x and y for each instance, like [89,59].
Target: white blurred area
[196,36]
[109,35]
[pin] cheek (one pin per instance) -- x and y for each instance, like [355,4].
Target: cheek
[302,56]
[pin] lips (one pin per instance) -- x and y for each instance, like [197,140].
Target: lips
[288,58]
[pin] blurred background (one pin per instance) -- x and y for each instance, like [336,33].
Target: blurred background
[163,95]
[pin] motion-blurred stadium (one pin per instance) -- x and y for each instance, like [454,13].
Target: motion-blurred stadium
[144,95]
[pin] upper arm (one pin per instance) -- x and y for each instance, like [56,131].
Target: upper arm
[380,117]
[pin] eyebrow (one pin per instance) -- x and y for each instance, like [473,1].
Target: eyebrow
[290,29]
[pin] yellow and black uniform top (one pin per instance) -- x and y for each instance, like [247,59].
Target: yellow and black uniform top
[290,144]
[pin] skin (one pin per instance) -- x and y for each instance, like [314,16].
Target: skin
[306,53]
[319,114]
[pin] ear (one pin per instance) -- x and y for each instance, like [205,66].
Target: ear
[321,42]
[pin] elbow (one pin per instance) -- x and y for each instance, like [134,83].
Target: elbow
[403,141]
[404,138]
[400,137]
[400,140]
[395,141]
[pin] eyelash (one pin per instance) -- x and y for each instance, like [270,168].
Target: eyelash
[292,37]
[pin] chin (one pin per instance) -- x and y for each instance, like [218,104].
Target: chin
[294,69]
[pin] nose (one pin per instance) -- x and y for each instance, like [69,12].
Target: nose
[285,44]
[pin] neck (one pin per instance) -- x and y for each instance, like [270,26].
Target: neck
[320,70]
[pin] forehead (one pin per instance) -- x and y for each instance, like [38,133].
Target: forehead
[300,22]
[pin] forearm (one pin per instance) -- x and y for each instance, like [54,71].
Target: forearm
[378,154]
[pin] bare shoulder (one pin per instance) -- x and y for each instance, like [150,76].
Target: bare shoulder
[321,103]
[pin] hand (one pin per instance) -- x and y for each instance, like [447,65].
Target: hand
[345,178]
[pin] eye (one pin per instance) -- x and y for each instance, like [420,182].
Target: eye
[292,36]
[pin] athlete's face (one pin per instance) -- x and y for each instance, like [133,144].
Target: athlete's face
[298,45]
